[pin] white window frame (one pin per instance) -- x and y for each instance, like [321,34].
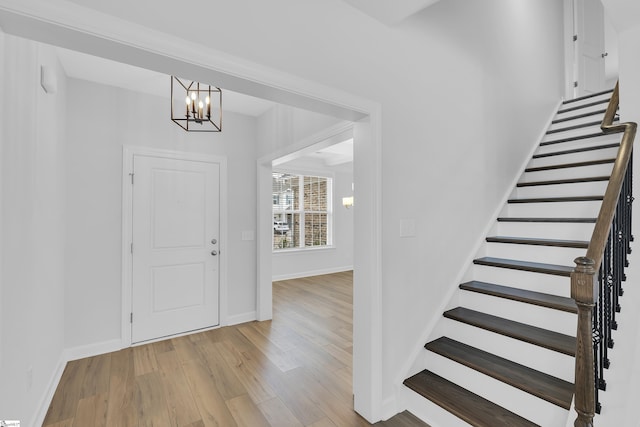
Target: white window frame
[301,174]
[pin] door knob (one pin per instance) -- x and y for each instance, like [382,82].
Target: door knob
[214,252]
[214,241]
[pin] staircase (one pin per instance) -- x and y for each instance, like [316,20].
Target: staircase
[503,354]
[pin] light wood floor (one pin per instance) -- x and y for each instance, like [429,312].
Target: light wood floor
[292,371]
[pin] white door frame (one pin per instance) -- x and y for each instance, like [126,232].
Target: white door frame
[128,153]
[83,29]
[569,49]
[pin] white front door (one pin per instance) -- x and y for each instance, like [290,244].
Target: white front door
[175,229]
[589,47]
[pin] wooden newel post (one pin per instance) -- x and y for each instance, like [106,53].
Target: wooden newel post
[584,290]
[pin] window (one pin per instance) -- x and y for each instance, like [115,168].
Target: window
[301,211]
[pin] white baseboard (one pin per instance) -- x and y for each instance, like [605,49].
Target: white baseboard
[311,273]
[389,407]
[236,319]
[80,352]
[45,401]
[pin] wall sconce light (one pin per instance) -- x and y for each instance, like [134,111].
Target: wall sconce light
[347,202]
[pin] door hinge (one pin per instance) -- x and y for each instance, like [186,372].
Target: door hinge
[575,37]
[132,248]
[131,318]
[575,84]
[131,175]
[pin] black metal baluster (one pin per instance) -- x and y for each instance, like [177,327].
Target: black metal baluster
[629,179]
[596,354]
[608,302]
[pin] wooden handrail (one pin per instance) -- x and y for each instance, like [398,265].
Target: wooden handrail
[610,201]
[584,283]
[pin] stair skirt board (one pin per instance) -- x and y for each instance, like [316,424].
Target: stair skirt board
[503,352]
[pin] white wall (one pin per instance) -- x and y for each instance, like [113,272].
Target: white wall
[283,125]
[303,263]
[33,228]
[94,164]
[466,87]
[2,139]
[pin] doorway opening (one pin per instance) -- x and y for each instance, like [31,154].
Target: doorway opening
[313,231]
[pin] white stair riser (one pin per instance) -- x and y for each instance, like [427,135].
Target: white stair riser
[428,411]
[538,282]
[604,97]
[541,317]
[532,253]
[584,156]
[589,130]
[546,230]
[567,173]
[535,357]
[587,209]
[517,401]
[562,190]
[576,121]
[583,110]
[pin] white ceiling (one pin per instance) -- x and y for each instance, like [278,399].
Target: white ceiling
[92,68]
[338,155]
[390,12]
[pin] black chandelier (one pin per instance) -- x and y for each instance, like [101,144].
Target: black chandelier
[196,107]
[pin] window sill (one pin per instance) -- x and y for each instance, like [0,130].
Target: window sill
[303,250]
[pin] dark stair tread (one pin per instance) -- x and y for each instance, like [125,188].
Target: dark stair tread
[468,406]
[576,150]
[573,127]
[559,220]
[574,138]
[557,199]
[539,384]
[570,165]
[564,181]
[535,267]
[579,116]
[591,95]
[531,334]
[579,244]
[522,295]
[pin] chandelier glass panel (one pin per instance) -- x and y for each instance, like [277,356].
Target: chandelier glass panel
[196,107]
